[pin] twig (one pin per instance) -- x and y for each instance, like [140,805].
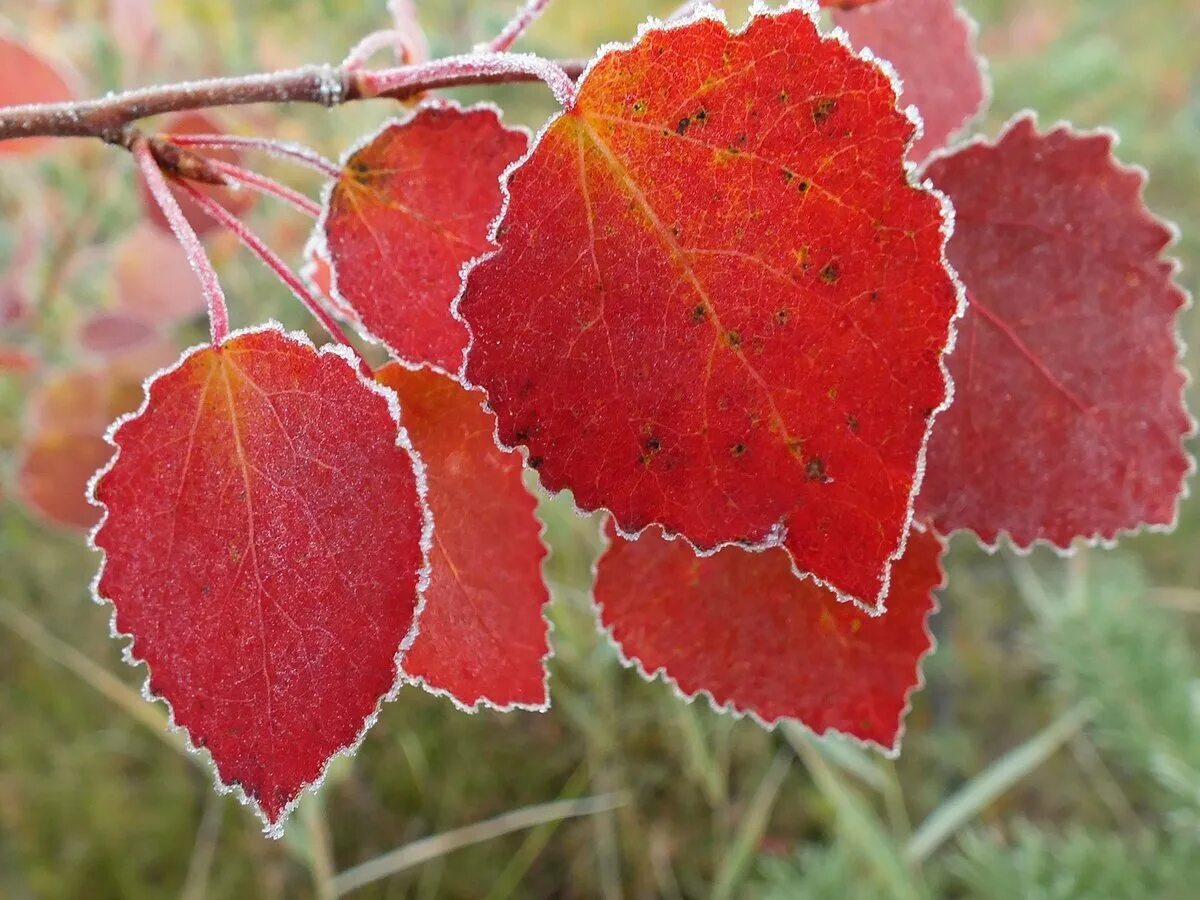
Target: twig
[286,150]
[109,118]
[268,186]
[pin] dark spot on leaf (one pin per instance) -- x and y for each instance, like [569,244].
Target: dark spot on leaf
[702,116]
[738,449]
[788,175]
[815,469]
[874,295]
[823,109]
[733,339]
[783,97]
[782,315]
[830,273]
[653,445]
[535,462]
[699,313]
[639,106]
[682,127]
[795,446]
[852,422]
[803,187]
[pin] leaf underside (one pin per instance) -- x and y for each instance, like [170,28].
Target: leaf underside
[1068,417]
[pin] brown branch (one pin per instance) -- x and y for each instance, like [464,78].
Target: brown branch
[110,118]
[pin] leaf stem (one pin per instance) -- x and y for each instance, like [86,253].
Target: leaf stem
[474,68]
[286,150]
[268,186]
[255,245]
[518,25]
[218,311]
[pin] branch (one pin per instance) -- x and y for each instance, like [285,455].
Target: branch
[110,118]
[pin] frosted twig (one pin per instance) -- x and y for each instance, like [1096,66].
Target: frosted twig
[218,311]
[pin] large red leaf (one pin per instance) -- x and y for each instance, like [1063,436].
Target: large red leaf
[931,45]
[263,548]
[482,636]
[413,205]
[718,303]
[1068,415]
[28,77]
[743,629]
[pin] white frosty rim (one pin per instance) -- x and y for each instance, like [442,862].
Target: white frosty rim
[402,440]
[1105,540]
[735,711]
[318,243]
[704,11]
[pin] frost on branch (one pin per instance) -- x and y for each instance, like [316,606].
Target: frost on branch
[236,200]
[263,548]
[930,43]
[719,304]
[1068,417]
[483,639]
[741,628]
[411,207]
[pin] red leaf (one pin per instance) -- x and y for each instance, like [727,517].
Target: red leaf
[1068,414]
[63,443]
[28,77]
[108,334]
[263,546]
[931,45]
[719,305]
[237,201]
[482,637]
[413,206]
[743,629]
[318,275]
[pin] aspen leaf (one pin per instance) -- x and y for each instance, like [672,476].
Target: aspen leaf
[413,205]
[28,77]
[263,548]
[1068,418]
[719,304]
[741,628]
[483,639]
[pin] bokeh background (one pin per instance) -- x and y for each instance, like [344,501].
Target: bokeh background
[1054,752]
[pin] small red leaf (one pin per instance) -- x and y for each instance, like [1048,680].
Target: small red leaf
[931,45]
[63,444]
[482,635]
[742,628]
[1068,414]
[28,77]
[153,279]
[719,304]
[318,275]
[263,545]
[413,206]
[237,200]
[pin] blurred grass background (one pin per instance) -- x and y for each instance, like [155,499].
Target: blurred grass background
[1055,751]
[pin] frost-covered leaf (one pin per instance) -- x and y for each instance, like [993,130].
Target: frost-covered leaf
[1068,414]
[108,334]
[28,77]
[930,43]
[482,636]
[741,627]
[263,542]
[152,278]
[719,304]
[318,274]
[236,200]
[413,206]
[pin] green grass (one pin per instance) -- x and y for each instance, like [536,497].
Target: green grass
[1054,753]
